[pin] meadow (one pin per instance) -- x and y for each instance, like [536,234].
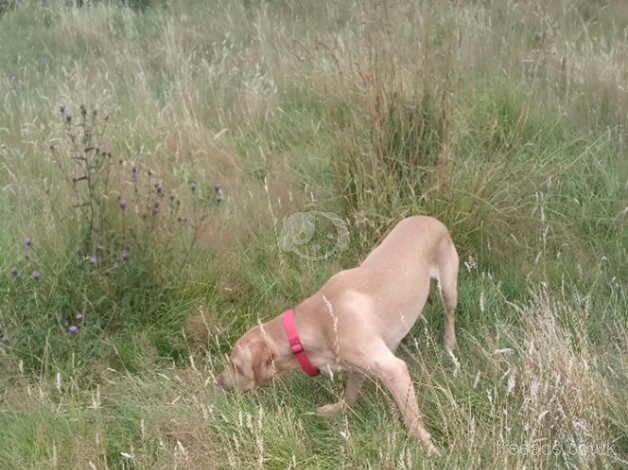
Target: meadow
[173,172]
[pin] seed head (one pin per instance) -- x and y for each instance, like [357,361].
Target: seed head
[220,195]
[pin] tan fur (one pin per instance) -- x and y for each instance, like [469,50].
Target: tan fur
[357,319]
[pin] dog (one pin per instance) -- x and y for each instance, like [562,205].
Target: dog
[356,321]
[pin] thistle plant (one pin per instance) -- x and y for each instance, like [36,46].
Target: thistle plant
[130,231]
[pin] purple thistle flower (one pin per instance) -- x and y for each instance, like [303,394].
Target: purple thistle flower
[13,270]
[73,329]
[92,260]
[36,275]
[28,242]
[122,202]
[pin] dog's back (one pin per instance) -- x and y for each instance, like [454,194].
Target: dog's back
[390,288]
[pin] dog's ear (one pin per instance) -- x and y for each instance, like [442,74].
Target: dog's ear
[262,358]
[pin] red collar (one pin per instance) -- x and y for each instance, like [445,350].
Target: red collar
[290,328]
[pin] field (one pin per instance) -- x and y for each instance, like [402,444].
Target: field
[173,172]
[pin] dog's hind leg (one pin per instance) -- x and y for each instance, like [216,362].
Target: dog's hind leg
[393,374]
[448,290]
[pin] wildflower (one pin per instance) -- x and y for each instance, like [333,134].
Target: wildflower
[13,270]
[36,275]
[92,260]
[78,317]
[73,329]
[28,242]
[122,202]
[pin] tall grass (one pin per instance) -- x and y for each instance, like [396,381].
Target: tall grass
[507,120]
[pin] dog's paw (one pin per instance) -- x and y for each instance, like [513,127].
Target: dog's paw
[331,409]
[456,362]
[433,451]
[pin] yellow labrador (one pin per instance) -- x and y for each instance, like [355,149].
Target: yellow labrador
[356,321]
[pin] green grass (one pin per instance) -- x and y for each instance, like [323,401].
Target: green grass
[506,120]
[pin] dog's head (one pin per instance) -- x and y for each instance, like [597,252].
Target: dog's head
[250,362]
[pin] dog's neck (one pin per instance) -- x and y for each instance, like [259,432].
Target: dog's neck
[283,358]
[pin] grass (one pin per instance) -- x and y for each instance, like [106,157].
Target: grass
[506,120]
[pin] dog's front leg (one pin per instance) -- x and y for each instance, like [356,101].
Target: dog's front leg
[350,394]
